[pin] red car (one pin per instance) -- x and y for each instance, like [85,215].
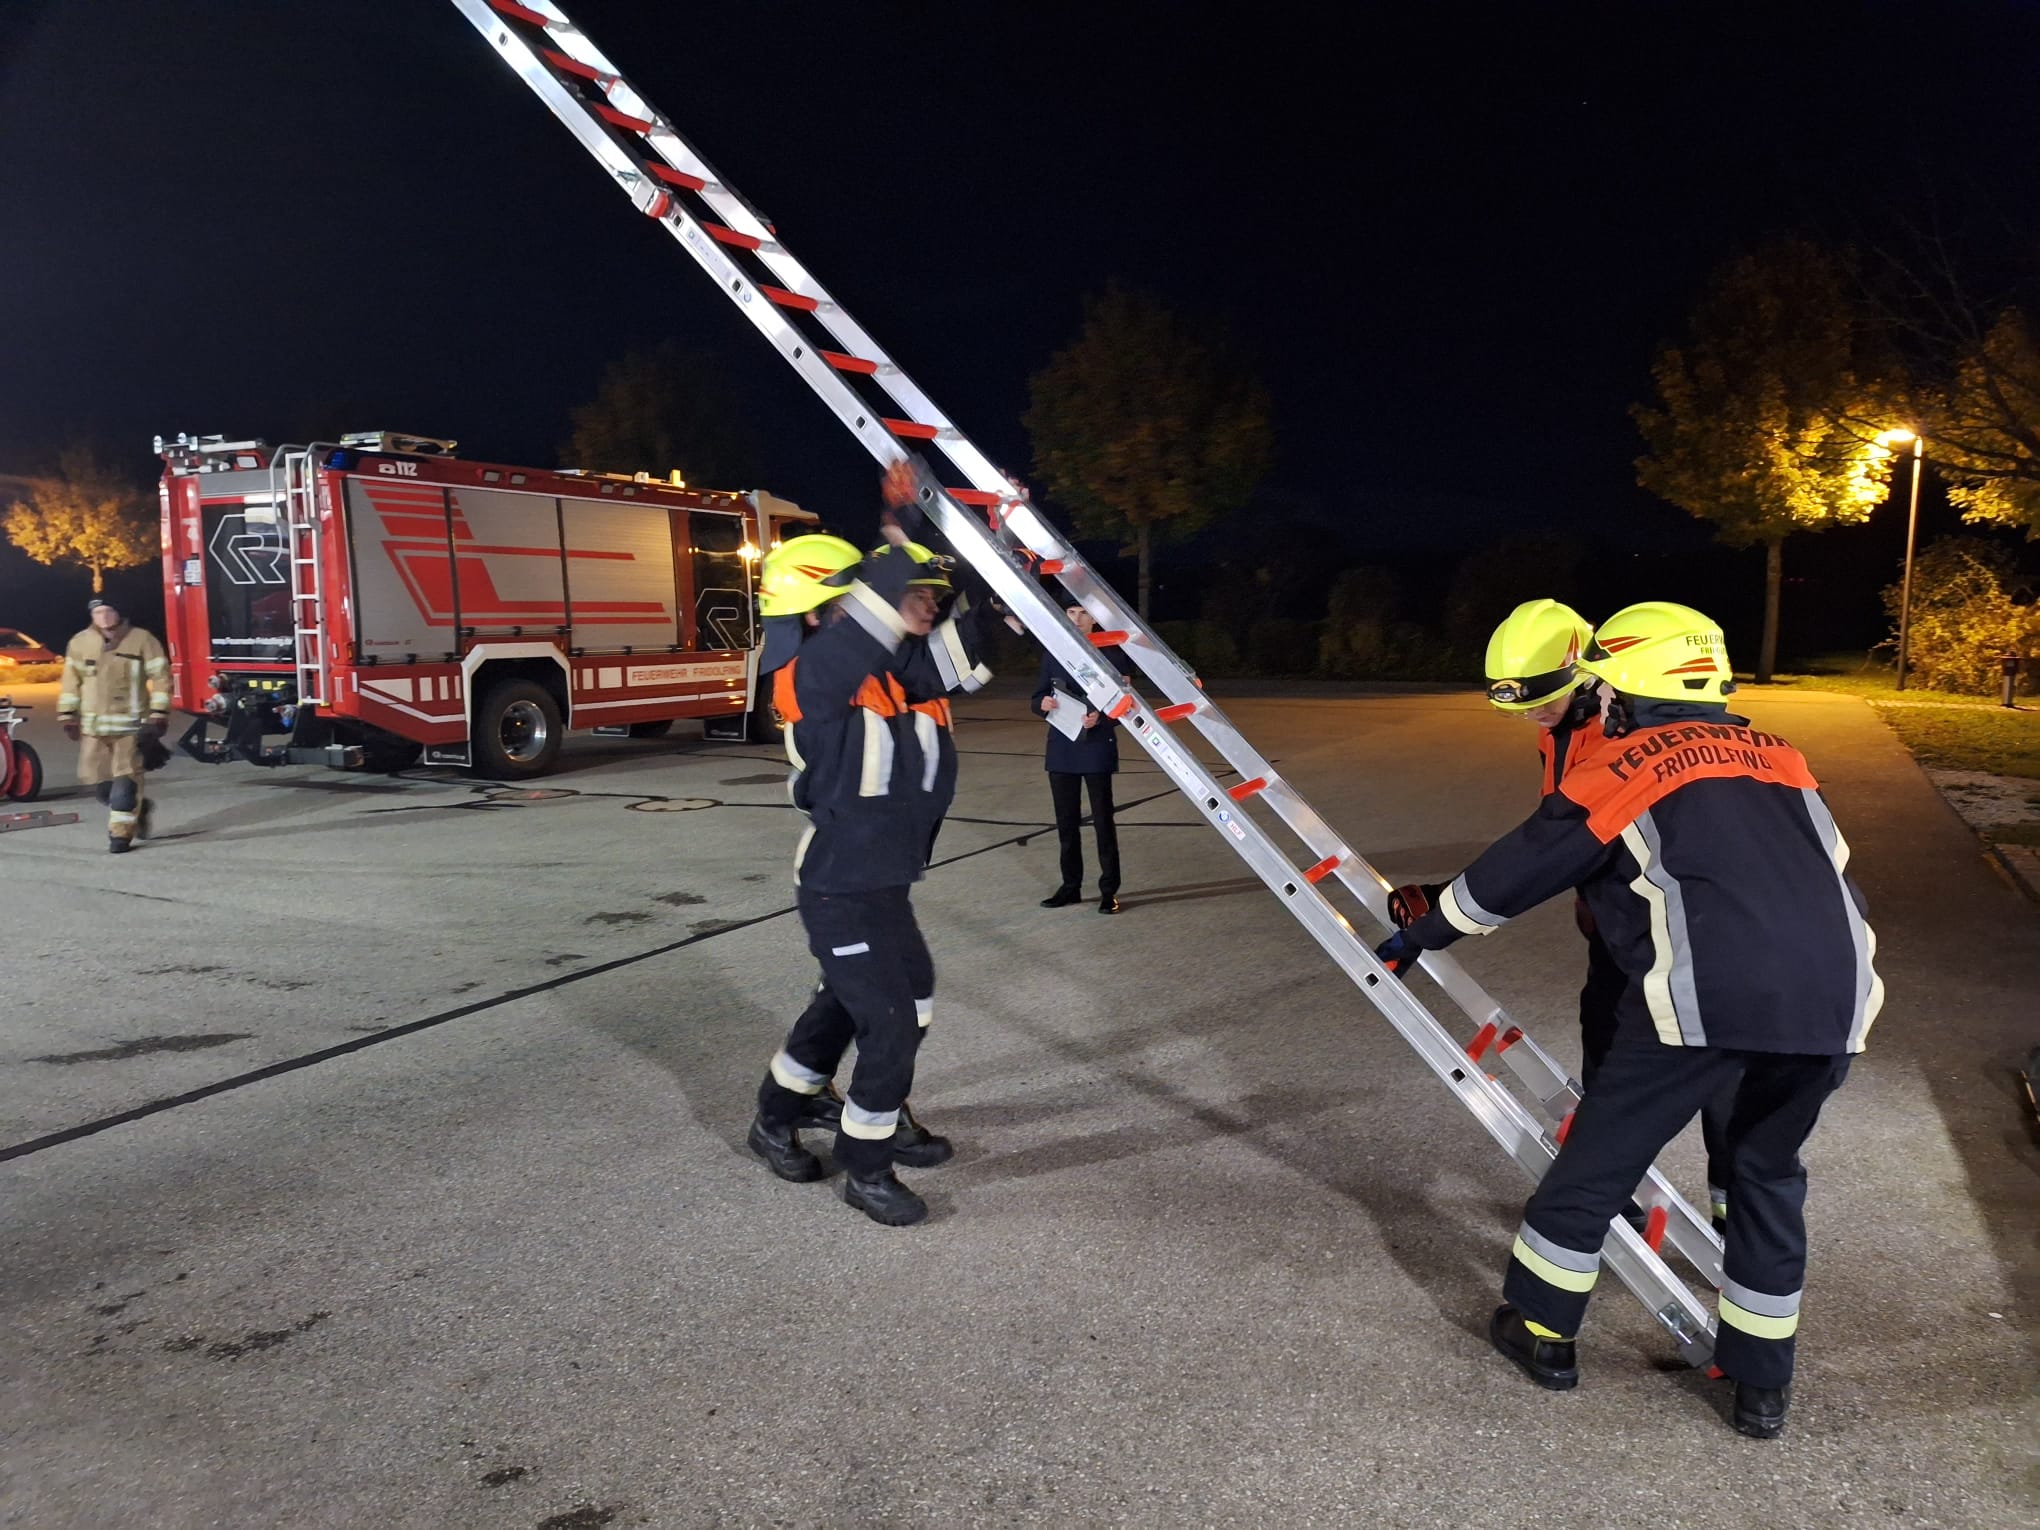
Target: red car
[17,647]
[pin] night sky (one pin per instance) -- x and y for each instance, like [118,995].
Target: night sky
[1448,236]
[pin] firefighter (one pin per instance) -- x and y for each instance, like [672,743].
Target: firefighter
[115,700]
[1533,672]
[1714,872]
[866,774]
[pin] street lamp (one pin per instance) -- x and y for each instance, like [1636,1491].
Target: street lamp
[1912,520]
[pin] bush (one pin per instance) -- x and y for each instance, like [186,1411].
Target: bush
[1281,645]
[1205,646]
[1966,615]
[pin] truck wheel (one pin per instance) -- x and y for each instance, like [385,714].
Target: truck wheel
[24,780]
[761,723]
[517,731]
[657,729]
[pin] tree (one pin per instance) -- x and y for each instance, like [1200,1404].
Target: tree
[88,515]
[1140,428]
[660,410]
[1967,613]
[1983,426]
[1759,425]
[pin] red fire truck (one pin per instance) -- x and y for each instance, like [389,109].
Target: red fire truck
[379,600]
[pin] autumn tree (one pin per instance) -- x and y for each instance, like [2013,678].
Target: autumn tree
[664,409]
[1982,425]
[88,515]
[1969,609]
[1760,419]
[1142,429]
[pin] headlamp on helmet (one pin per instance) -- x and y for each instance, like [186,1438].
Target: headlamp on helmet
[1532,656]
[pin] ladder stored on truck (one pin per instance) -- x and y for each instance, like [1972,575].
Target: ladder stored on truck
[991,523]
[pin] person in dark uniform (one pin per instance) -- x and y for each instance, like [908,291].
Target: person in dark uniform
[1533,673]
[1084,764]
[1715,873]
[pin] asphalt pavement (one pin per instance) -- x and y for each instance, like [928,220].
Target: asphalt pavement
[371,1153]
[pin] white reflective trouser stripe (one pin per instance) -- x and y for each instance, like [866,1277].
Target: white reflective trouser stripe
[872,1125]
[928,734]
[789,1074]
[1668,989]
[124,820]
[1869,986]
[1567,1268]
[1759,1314]
[924,1011]
[876,779]
[1464,913]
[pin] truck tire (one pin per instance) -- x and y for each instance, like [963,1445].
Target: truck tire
[761,723]
[517,733]
[657,729]
[25,778]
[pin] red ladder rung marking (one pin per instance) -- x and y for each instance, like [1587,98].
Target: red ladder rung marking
[913,428]
[1654,1228]
[660,205]
[1247,789]
[1181,709]
[674,177]
[1119,708]
[1480,1041]
[1322,869]
[575,66]
[843,363]
[1510,1037]
[984,499]
[787,299]
[731,236]
[518,12]
[1563,1127]
[623,119]
[1109,639]
[1053,565]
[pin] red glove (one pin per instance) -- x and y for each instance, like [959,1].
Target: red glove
[1410,902]
[71,729]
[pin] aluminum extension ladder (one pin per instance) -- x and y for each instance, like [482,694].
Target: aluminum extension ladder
[1009,543]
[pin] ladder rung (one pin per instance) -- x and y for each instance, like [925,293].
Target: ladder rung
[1247,789]
[787,299]
[622,119]
[1564,1127]
[1120,708]
[1322,869]
[844,363]
[913,429]
[1654,1228]
[731,236]
[674,177]
[1176,713]
[518,12]
[984,499]
[1109,639]
[1510,1037]
[1053,565]
[575,66]
[1480,1041]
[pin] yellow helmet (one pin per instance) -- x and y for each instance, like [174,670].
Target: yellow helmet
[1662,652]
[1530,658]
[936,566]
[795,576]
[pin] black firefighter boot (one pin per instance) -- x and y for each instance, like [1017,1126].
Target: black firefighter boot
[1551,1363]
[780,1147]
[1760,1411]
[822,1111]
[917,1147]
[884,1199]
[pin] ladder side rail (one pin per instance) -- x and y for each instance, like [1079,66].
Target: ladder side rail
[1499,1111]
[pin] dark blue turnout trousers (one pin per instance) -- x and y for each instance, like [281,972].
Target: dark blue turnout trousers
[1643,1094]
[877,989]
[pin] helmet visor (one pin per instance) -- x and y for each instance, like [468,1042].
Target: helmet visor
[1533,690]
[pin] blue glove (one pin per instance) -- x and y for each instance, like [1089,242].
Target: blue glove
[1398,954]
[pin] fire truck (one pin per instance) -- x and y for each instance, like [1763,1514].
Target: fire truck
[378,600]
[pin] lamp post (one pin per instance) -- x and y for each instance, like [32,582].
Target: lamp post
[1912,521]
